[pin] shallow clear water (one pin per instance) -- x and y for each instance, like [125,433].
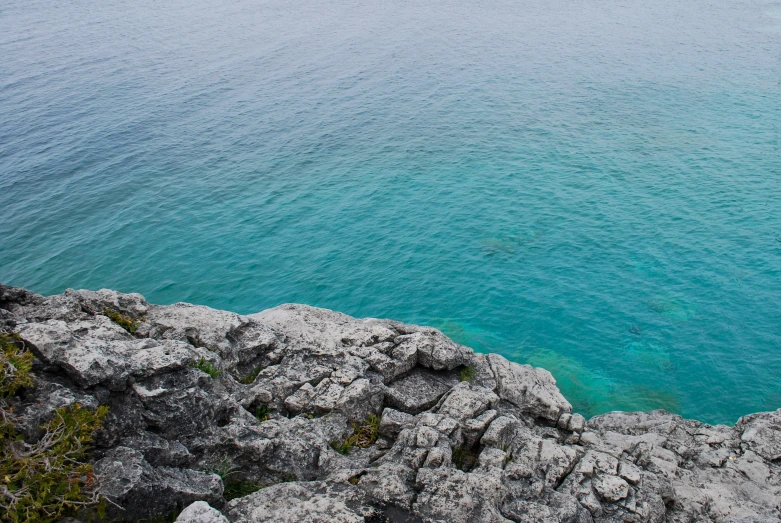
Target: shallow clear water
[591,187]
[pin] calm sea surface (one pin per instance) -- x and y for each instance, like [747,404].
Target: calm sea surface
[591,187]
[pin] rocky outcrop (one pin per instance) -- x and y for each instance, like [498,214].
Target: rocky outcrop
[344,419]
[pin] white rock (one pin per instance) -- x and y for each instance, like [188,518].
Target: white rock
[201,512]
[610,488]
[394,421]
[427,437]
[532,390]
[629,472]
[467,401]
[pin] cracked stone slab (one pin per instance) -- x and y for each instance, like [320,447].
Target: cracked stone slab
[418,391]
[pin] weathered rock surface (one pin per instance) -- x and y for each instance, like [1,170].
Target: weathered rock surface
[292,381]
[201,512]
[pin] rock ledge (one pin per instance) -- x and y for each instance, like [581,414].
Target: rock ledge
[207,406]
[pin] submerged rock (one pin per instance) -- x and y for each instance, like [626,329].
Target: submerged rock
[305,414]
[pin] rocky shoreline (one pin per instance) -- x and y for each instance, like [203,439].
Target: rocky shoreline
[300,414]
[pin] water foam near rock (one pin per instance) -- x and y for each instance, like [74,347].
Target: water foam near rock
[304,414]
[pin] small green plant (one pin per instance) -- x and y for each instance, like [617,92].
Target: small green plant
[232,487]
[262,413]
[207,367]
[224,469]
[289,477]
[236,488]
[15,365]
[467,373]
[354,480]
[464,458]
[364,434]
[49,479]
[124,321]
[249,379]
[343,447]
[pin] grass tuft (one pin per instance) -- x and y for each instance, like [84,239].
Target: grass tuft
[464,458]
[207,367]
[15,365]
[289,477]
[249,379]
[236,488]
[364,434]
[467,373]
[343,447]
[224,469]
[354,480]
[262,413]
[124,321]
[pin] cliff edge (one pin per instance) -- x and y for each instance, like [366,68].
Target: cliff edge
[300,414]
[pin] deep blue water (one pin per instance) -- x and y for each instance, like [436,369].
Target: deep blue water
[592,187]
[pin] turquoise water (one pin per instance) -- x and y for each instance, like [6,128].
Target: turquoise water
[593,187]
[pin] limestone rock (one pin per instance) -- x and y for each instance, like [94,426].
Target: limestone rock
[533,391]
[416,392]
[394,421]
[762,434]
[610,488]
[576,423]
[238,340]
[360,399]
[315,502]
[181,408]
[142,490]
[629,472]
[436,351]
[501,432]
[389,484]
[466,401]
[474,428]
[451,495]
[98,351]
[201,512]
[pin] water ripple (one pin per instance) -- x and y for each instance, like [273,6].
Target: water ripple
[587,187]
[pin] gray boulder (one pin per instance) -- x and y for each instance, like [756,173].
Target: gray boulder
[130,482]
